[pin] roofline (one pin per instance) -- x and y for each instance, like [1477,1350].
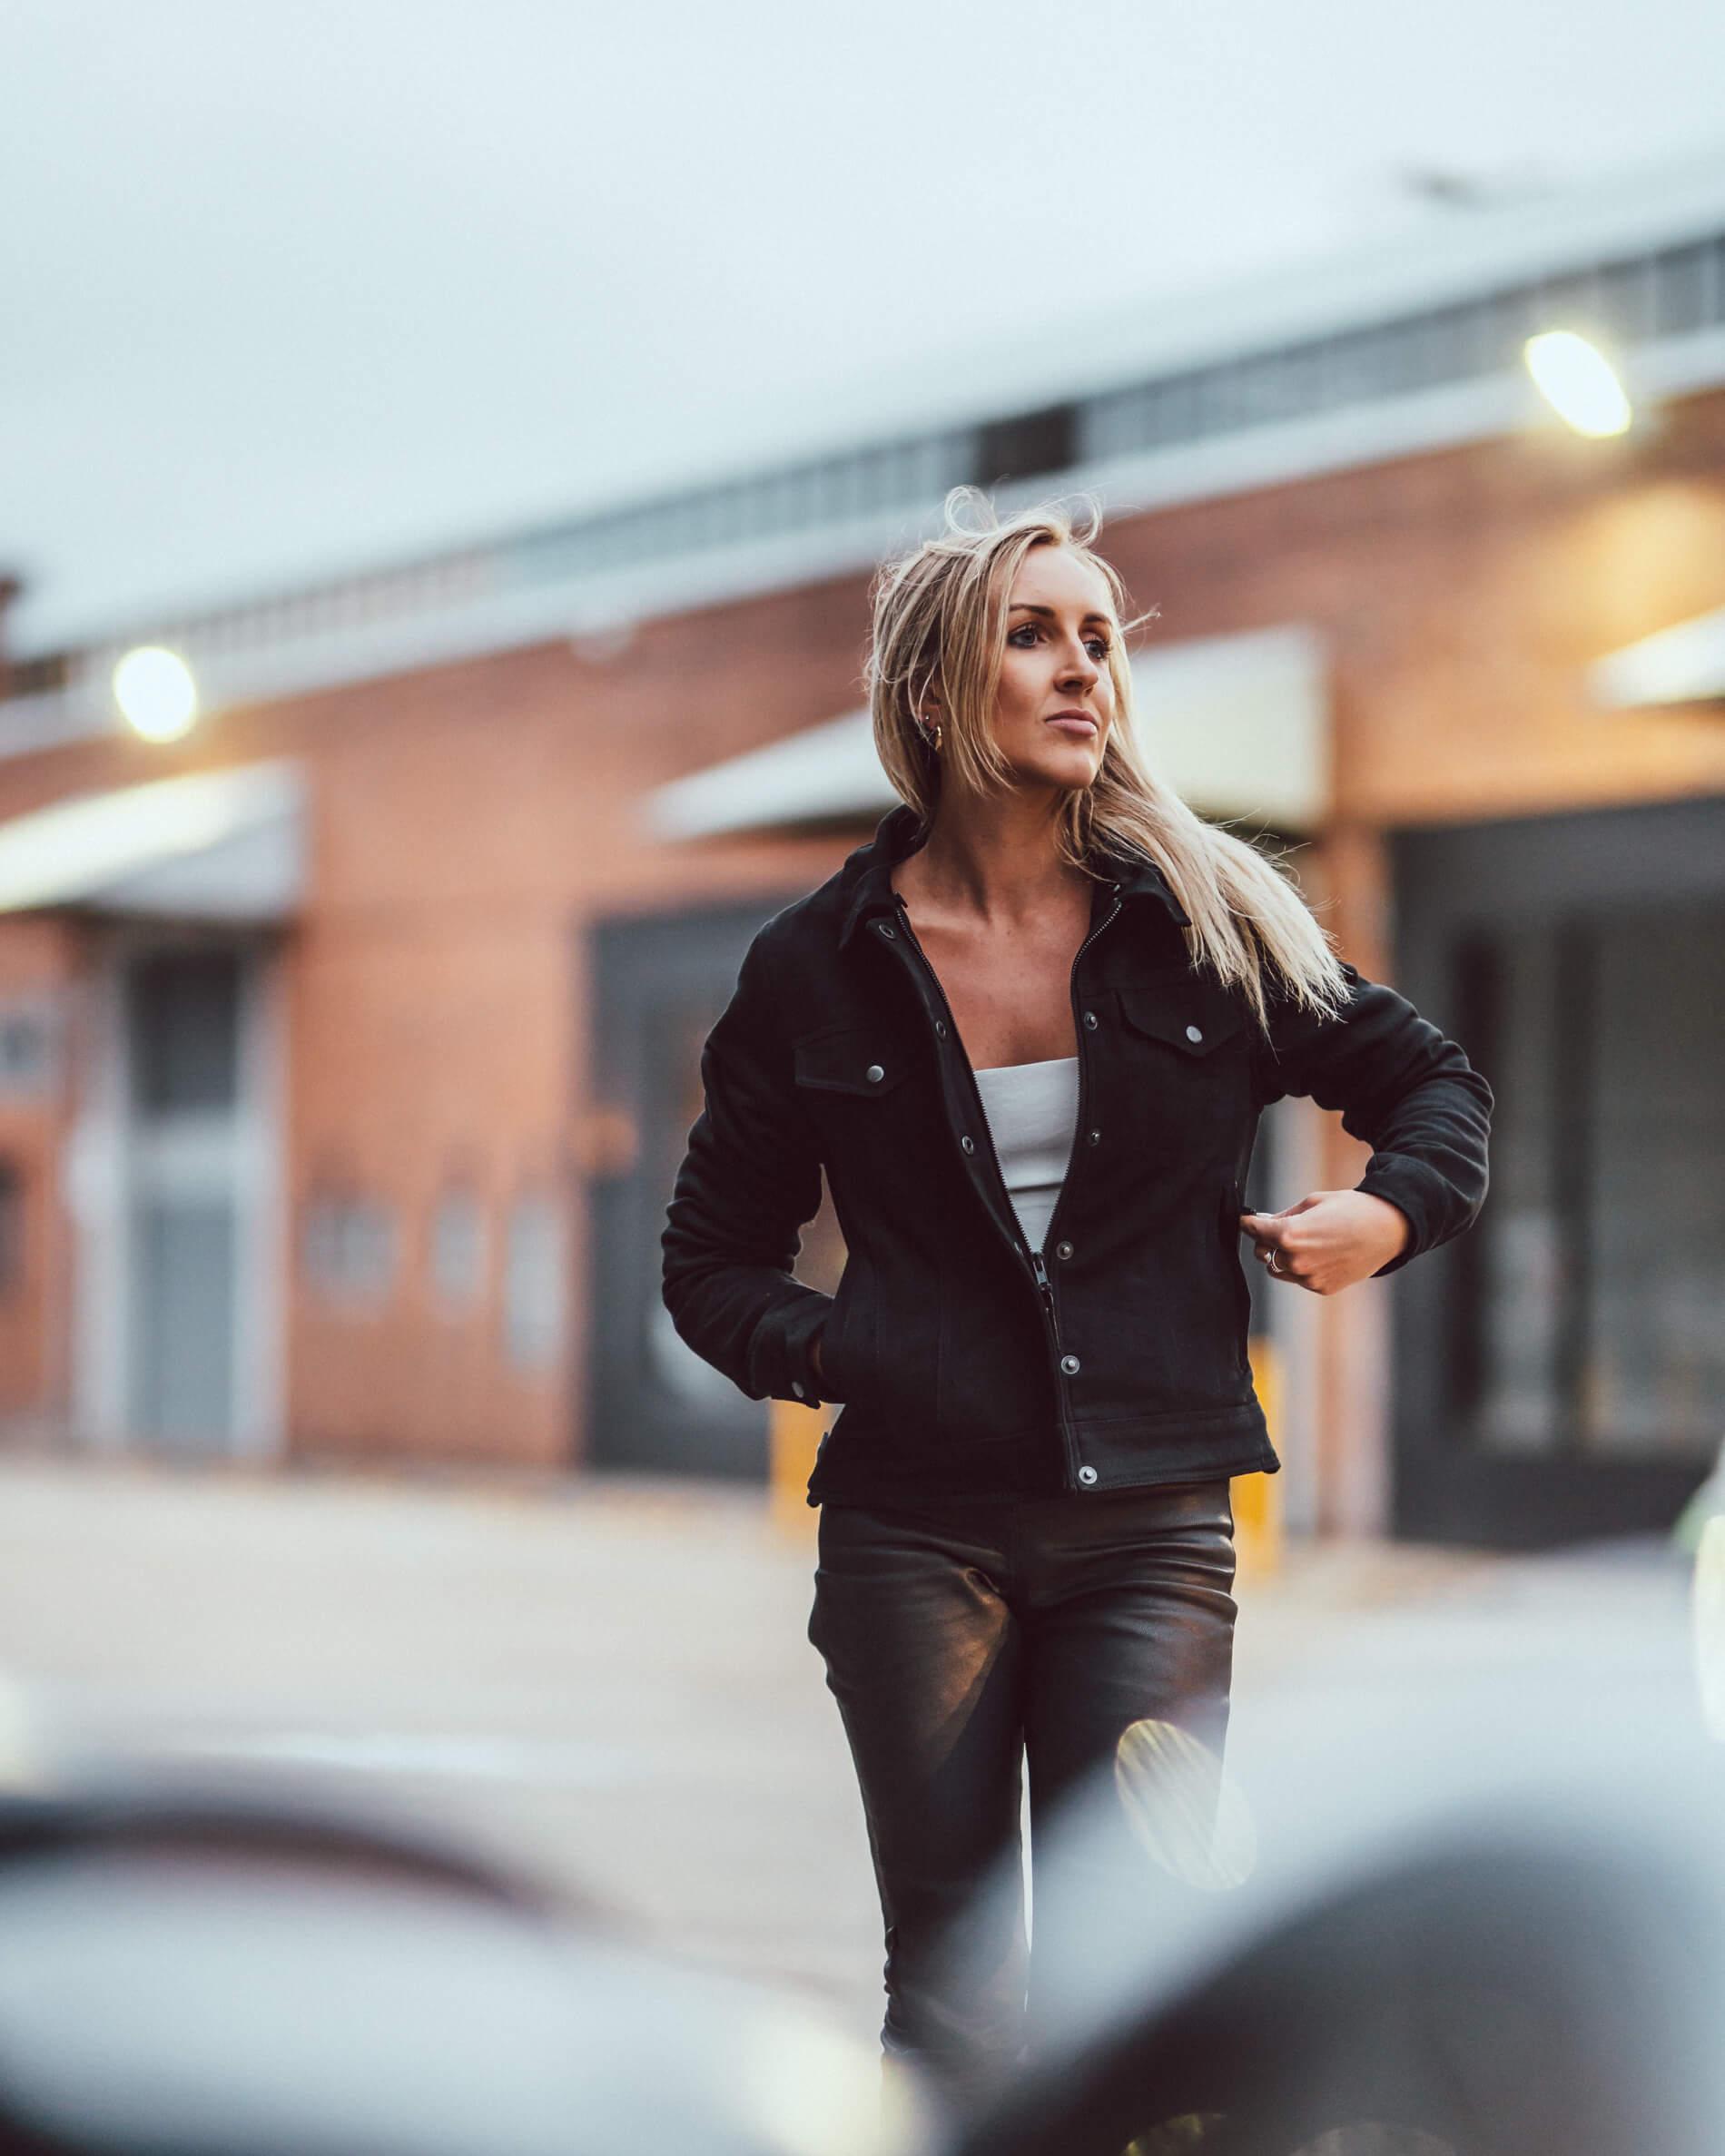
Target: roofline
[1459,256]
[583,606]
[1186,414]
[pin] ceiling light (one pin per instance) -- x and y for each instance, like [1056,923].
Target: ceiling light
[155,692]
[1577,380]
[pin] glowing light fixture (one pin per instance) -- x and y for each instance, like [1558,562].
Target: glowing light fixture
[1577,380]
[155,692]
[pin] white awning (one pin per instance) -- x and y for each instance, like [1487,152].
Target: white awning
[827,773]
[1685,665]
[1240,725]
[225,845]
[1236,724]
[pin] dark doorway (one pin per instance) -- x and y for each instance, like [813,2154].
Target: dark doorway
[1561,1373]
[658,986]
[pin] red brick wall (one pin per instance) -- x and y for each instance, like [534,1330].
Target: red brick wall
[470,822]
[38,961]
[1462,597]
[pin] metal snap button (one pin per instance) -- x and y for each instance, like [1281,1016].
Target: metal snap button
[1096,1137]
[969,1143]
[874,1074]
[939,1028]
[1195,1034]
[1087,1475]
[1063,1250]
[1090,1021]
[889,932]
[1070,1363]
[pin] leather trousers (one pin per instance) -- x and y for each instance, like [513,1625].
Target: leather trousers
[966,1638]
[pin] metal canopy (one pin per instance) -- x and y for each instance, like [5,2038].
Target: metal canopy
[1236,724]
[226,846]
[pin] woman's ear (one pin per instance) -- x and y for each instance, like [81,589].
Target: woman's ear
[931,717]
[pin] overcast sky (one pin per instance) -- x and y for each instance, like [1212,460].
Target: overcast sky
[289,289]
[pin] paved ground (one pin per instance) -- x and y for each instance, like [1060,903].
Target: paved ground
[605,1681]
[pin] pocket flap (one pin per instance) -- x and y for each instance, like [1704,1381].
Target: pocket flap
[1189,1016]
[849,1062]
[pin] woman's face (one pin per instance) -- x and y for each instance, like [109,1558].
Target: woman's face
[1056,699]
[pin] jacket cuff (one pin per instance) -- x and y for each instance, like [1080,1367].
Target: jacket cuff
[781,1359]
[1419,1194]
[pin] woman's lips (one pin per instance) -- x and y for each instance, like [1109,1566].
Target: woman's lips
[1080,724]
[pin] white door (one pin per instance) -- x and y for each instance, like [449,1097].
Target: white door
[176,1177]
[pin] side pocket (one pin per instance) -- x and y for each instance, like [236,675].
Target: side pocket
[1233,1244]
[836,1361]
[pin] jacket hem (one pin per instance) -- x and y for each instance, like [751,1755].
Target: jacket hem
[1202,1446]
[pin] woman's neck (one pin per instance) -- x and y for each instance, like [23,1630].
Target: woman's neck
[996,857]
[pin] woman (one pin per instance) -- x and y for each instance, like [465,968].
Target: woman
[1028,1033]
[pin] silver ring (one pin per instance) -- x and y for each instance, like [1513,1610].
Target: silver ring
[1275,1264]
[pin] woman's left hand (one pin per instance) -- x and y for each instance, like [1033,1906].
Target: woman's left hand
[1330,1240]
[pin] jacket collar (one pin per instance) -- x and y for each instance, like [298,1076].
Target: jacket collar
[866,878]
[1134,877]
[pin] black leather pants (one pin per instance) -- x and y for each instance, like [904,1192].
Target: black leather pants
[965,1637]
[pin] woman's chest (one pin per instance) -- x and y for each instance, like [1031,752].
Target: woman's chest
[1010,996]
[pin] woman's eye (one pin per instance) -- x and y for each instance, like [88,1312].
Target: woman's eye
[1024,635]
[1096,646]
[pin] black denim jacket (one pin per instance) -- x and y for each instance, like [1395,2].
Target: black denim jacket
[965,1362]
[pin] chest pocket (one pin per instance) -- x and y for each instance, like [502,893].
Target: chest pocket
[850,1061]
[1188,1063]
[1194,1024]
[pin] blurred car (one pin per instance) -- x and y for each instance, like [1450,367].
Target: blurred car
[1466,1914]
[184,1974]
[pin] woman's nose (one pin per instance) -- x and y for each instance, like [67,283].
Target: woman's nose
[1080,669]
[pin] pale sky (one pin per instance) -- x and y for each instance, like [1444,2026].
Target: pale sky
[292,288]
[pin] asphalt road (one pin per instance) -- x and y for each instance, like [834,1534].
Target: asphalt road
[608,1682]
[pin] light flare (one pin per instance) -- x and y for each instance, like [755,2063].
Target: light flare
[1185,1811]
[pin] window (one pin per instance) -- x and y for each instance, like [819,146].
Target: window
[535,1286]
[1026,445]
[1592,1319]
[29,1045]
[457,1251]
[11,1226]
[184,1030]
[348,1250]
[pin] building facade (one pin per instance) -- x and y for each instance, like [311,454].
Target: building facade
[348,1042]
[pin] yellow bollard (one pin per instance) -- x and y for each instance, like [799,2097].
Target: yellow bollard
[794,1434]
[1258,1498]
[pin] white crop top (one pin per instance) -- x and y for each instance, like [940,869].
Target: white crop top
[1032,1112]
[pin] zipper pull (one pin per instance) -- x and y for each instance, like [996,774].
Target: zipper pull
[1041,1272]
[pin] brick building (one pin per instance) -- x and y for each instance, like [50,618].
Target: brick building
[347,1042]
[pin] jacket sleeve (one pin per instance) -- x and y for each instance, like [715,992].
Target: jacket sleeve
[1407,1091]
[750,1180]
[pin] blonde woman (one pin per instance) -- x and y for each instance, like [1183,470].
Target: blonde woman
[1027,1032]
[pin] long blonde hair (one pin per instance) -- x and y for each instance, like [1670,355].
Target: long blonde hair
[940,624]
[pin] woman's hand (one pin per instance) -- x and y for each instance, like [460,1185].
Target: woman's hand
[1330,1240]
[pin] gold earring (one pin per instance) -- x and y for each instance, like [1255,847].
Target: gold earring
[937,737]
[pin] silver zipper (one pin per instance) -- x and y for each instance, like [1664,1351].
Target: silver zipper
[1084,1074]
[1038,1265]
